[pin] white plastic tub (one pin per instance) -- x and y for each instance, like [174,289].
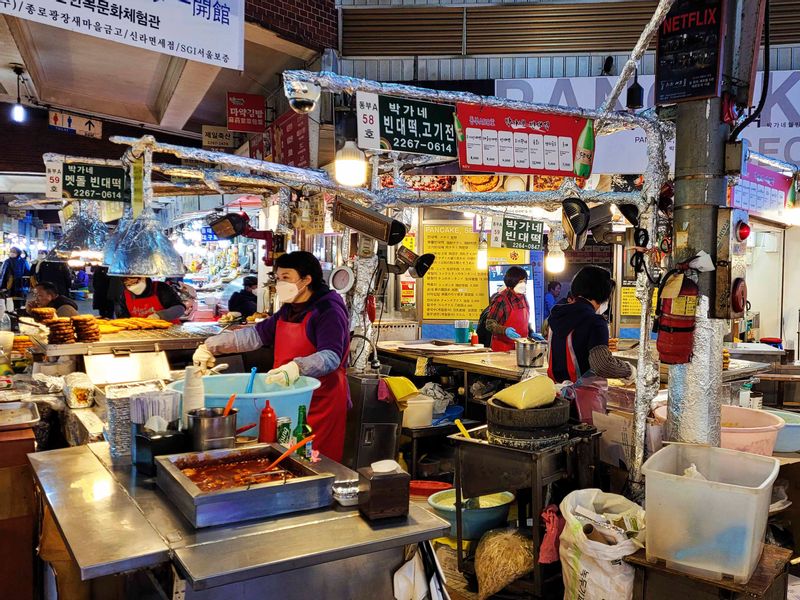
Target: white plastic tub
[743,429]
[418,412]
[710,528]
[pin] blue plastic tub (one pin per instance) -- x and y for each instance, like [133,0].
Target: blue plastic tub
[284,401]
[788,437]
[492,514]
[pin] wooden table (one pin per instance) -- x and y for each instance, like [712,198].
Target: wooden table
[654,581]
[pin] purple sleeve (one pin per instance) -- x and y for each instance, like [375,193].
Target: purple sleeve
[329,328]
[266,330]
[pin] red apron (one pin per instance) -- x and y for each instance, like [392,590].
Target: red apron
[518,320]
[145,306]
[327,414]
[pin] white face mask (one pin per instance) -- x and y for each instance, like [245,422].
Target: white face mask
[286,291]
[137,288]
[602,308]
[520,287]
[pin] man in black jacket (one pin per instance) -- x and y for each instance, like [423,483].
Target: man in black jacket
[45,294]
[245,302]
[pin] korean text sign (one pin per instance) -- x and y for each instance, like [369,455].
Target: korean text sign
[246,112]
[761,190]
[517,141]
[522,234]
[290,140]
[94,182]
[403,125]
[208,31]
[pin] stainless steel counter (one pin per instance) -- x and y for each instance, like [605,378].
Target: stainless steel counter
[136,526]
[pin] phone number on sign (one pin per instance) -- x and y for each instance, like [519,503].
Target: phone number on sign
[412,144]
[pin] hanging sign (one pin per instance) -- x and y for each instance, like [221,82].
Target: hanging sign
[521,234]
[246,112]
[208,31]
[207,235]
[74,124]
[93,182]
[404,125]
[500,140]
[689,52]
[54,171]
[218,137]
[290,140]
[761,190]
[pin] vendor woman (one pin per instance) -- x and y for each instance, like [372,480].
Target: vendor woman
[310,335]
[143,297]
[579,334]
[509,313]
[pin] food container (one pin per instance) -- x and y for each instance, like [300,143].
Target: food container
[491,512]
[713,527]
[209,430]
[285,401]
[788,437]
[418,412]
[530,353]
[18,415]
[743,429]
[422,490]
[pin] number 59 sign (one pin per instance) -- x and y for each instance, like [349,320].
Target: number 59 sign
[55,177]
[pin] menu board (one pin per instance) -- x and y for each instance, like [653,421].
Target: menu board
[500,140]
[454,288]
[404,125]
[629,304]
[760,190]
[689,52]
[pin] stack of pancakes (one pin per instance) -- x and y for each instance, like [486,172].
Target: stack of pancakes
[86,328]
[61,331]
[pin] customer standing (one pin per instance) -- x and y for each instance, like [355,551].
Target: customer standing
[551,297]
[55,272]
[509,314]
[13,273]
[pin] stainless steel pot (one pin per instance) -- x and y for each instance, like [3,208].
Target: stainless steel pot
[210,430]
[530,353]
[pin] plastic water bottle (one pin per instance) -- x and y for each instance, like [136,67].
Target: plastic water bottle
[194,393]
[5,320]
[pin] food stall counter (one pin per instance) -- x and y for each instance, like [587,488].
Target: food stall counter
[217,562]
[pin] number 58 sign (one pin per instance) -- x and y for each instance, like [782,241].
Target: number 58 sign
[55,179]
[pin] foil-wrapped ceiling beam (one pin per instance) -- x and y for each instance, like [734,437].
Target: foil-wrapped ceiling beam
[775,163]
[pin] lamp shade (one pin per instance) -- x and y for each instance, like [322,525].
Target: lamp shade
[144,251]
[85,236]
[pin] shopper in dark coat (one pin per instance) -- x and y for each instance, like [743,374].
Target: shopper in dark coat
[14,272]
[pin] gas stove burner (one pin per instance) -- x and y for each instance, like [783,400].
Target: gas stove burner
[527,439]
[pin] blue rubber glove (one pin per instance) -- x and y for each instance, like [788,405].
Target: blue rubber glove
[537,337]
[512,334]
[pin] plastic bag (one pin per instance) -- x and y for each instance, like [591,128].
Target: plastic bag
[441,397]
[593,570]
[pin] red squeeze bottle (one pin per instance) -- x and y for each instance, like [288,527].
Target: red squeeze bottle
[268,425]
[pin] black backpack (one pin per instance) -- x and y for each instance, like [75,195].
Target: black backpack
[484,335]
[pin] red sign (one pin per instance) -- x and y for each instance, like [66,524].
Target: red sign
[290,140]
[760,190]
[257,146]
[499,140]
[246,112]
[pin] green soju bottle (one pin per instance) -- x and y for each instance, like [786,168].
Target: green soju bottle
[303,430]
[584,153]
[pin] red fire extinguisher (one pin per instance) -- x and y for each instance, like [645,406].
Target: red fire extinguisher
[675,318]
[267,425]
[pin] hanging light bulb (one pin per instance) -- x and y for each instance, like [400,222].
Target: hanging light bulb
[483,255]
[18,112]
[555,261]
[350,166]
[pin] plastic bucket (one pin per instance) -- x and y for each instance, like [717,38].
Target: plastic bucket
[285,401]
[493,512]
[418,412]
[789,436]
[743,429]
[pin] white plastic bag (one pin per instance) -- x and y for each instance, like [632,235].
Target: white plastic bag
[593,570]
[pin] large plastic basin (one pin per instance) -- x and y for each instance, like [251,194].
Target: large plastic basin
[492,514]
[788,437]
[285,401]
[743,429]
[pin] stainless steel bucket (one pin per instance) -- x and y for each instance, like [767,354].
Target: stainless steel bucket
[210,430]
[530,353]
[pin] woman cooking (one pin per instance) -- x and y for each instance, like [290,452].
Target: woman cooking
[509,314]
[310,334]
[143,297]
[579,340]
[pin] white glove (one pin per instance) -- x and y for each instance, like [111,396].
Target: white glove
[286,375]
[233,342]
[632,377]
[203,358]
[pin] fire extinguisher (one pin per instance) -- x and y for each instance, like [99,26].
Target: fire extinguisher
[675,319]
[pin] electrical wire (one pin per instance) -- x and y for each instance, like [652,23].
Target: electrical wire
[641,240]
[764,82]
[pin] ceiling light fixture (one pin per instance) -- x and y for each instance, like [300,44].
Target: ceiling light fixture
[18,112]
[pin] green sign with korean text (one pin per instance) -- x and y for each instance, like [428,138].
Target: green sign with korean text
[94,182]
[522,234]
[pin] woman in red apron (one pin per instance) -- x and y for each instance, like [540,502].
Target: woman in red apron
[509,315]
[145,298]
[579,343]
[311,336]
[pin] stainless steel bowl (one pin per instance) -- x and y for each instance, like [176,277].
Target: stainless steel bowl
[530,353]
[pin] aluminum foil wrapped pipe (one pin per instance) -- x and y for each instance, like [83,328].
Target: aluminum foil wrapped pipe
[694,405]
[284,210]
[773,162]
[108,162]
[638,51]
[391,197]
[365,270]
